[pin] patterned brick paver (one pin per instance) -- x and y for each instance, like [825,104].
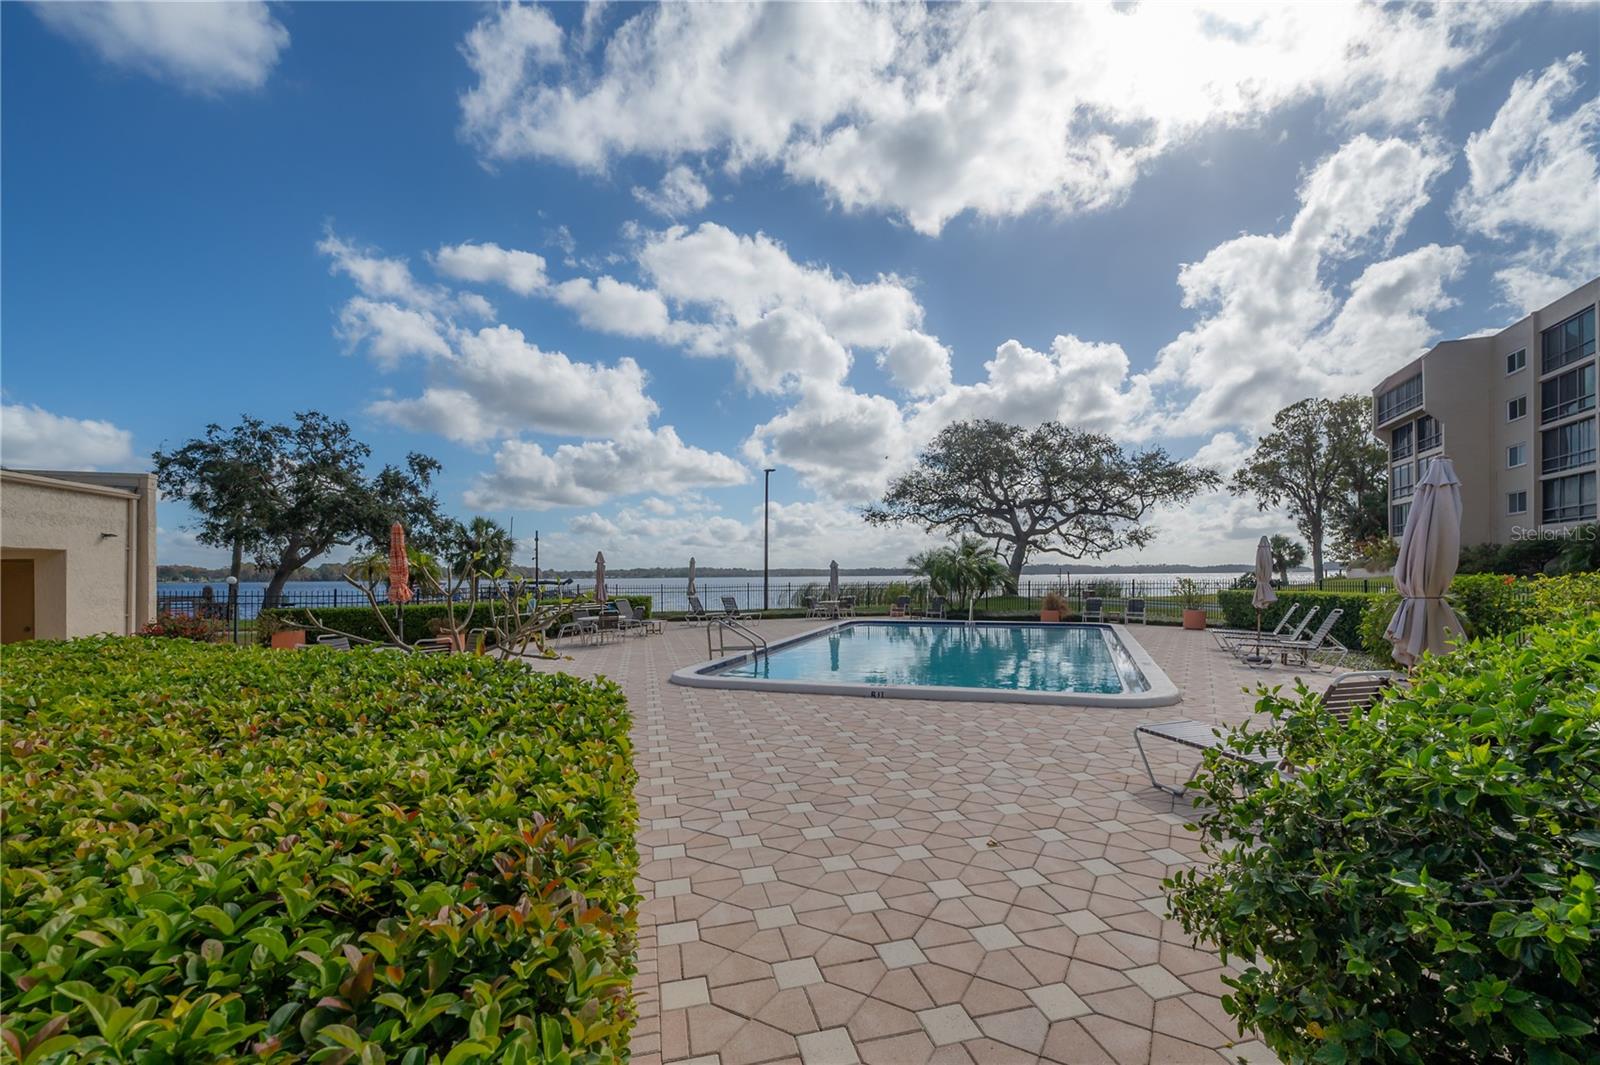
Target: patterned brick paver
[839,879]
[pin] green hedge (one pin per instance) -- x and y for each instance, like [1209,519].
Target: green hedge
[359,620]
[1238,613]
[234,853]
[1422,887]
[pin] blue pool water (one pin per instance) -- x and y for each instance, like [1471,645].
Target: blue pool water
[1034,658]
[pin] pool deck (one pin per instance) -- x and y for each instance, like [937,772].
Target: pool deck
[831,879]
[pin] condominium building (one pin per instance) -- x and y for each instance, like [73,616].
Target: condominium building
[1514,410]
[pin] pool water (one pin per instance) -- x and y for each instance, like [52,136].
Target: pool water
[1013,657]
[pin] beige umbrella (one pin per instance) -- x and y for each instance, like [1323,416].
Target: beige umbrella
[833,581]
[599,577]
[1262,597]
[1430,550]
[691,576]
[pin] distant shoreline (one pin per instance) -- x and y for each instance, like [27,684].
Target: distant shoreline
[200,575]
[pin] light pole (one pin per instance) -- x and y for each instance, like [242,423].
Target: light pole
[233,604]
[766,535]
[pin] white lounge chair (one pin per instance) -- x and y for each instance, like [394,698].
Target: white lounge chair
[1320,640]
[1227,633]
[1347,693]
[1232,640]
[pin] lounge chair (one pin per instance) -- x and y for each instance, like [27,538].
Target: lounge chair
[1133,610]
[696,611]
[901,607]
[627,618]
[1231,640]
[434,646]
[731,611]
[1093,609]
[1320,640]
[626,622]
[339,643]
[1347,693]
[1222,634]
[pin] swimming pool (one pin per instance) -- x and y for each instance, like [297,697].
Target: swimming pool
[1084,665]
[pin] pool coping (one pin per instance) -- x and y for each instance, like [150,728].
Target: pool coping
[1161,691]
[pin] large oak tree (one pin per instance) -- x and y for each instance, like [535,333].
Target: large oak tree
[1051,490]
[290,494]
[1319,462]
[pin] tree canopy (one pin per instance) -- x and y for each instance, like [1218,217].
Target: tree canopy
[965,570]
[1317,461]
[290,494]
[1051,490]
[1286,555]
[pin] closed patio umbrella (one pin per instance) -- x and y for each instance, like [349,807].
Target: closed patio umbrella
[833,581]
[1262,597]
[1430,550]
[691,576]
[399,577]
[600,577]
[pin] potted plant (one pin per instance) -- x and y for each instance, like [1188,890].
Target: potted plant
[280,634]
[1054,606]
[1191,596]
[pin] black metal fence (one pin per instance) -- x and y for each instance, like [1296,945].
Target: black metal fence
[1163,594]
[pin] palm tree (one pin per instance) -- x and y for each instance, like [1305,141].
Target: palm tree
[968,569]
[484,545]
[1286,555]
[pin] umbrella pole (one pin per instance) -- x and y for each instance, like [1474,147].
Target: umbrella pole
[1258,659]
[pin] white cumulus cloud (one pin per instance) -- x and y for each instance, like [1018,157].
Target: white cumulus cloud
[586,474]
[201,47]
[34,438]
[680,193]
[520,271]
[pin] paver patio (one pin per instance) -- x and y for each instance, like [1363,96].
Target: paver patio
[833,879]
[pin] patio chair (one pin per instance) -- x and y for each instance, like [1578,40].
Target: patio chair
[696,611]
[936,607]
[626,622]
[1093,609]
[847,606]
[432,647]
[1231,640]
[901,607]
[339,643]
[731,611]
[585,623]
[812,609]
[1320,640]
[627,618]
[1348,693]
[1133,609]
[1225,633]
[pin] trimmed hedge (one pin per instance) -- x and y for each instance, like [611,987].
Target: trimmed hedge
[359,620]
[220,853]
[1422,887]
[1238,613]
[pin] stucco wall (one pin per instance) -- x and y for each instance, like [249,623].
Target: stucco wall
[93,552]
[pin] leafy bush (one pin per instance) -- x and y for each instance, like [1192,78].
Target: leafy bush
[420,618]
[1577,551]
[1490,605]
[227,853]
[1238,613]
[1421,888]
[183,627]
[1568,598]
[1375,624]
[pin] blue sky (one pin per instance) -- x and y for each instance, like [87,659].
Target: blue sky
[606,262]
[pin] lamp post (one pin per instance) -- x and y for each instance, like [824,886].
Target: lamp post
[766,535]
[233,604]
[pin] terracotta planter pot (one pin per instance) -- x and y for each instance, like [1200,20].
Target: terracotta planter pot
[1194,619]
[289,638]
[1049,615]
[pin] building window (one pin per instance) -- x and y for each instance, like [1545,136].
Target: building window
[1516,360]
[1569,342]
[1407,395]
[1517,408]
[1516,502]
[1429,433]
[1569,498]
[1516,455]
[1397,518]
[1402,481]
[1567,447]
[1400,442]
[1571,393]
